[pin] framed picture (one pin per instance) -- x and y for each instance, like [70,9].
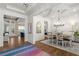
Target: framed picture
[30,28]
[38,27]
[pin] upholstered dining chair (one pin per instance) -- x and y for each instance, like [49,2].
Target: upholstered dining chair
[50,37]
[66,41]
[68,38]
[60,39]
[54,39]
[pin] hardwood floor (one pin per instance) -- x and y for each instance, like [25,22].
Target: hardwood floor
[52,50]
[13,43]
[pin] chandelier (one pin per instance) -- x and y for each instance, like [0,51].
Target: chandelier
[58,22]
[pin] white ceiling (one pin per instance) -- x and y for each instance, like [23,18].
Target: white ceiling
[45,9]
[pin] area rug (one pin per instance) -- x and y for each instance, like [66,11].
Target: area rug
[24,50]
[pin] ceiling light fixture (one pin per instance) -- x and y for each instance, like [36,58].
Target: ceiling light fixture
[58,22]
[26,4]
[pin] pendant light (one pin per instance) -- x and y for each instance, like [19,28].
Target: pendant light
[58,22]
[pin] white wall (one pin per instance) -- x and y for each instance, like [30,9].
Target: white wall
[39,36]
[71,23]
[30,35]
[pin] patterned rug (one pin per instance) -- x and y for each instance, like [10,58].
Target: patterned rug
[24,50]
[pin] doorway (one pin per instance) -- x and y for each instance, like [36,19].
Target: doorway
[14,30]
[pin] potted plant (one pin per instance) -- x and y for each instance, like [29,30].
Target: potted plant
[76,34]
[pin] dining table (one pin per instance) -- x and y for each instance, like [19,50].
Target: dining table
[62,38]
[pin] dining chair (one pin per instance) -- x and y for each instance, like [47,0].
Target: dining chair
[68,41]
[71,40]
[54,37]
[60,40]
[50,37]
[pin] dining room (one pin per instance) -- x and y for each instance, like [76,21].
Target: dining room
[65,29]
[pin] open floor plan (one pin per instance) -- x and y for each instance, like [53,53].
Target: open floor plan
[39,29]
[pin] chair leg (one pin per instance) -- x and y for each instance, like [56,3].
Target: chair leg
[57,42]
[62,43]
[65,44]
[70,44]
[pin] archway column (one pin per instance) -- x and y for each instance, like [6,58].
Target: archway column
[26,29]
